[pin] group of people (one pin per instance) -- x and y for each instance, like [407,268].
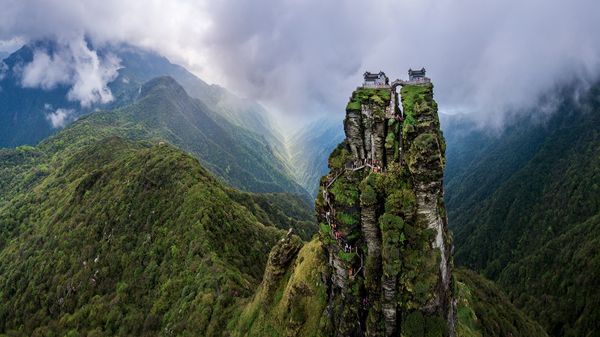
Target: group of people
[374,164]
[331,221]
[330,217]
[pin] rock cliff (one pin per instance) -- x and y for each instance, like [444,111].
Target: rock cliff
[382,218]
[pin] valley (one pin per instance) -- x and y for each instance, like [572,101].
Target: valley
[178,208]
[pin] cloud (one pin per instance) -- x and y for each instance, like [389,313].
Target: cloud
[75,65]
[304,57]
[10,45]
[59,118]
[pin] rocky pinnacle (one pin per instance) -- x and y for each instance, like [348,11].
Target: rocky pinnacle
[382,218]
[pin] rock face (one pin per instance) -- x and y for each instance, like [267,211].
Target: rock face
[382,219]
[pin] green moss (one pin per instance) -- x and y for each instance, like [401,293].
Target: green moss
[368,195]
[347,257]
[376,97]
[390,140]
[325,228]
[413,325]
[425,157]
[412,96]
[392,240]
[345,192]
[352,105]
[339,157]
[299,310]
[347,219]
[401,202]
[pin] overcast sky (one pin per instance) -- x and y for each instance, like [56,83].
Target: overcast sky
[303,58]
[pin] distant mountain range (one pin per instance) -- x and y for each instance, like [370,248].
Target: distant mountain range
[309,149]
[252,153]
[525,209]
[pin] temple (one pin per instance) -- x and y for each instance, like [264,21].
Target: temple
[417,76]
[375,80]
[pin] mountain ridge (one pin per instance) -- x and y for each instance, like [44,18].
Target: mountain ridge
[525,193]
[25,112]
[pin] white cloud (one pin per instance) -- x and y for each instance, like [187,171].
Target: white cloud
[75,65]
[299,57]
[59,118]
[11,45]
[46,71]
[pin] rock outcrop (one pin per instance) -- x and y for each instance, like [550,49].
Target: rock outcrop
[382,219]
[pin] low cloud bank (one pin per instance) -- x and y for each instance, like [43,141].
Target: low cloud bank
[303,58]
[75,65]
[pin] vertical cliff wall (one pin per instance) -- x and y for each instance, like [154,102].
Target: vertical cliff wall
[382,218]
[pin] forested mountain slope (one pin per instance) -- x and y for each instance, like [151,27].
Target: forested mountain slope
[140,66]
[25,113]
[163,110]
[102,236]
[524,208]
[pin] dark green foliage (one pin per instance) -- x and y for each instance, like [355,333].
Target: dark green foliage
[345,191]
[565,273]
[112,237]
[368,195]
[484,310]
[413,325]
[524,209]
[282,210]
[392,239]
[339,157]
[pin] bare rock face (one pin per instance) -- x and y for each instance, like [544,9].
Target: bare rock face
[382,219]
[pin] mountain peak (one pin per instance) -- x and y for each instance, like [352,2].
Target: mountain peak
[164,84]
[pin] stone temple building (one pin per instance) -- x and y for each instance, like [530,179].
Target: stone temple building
[375,80]
[417,76]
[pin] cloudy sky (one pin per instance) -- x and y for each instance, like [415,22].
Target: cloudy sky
[302,58]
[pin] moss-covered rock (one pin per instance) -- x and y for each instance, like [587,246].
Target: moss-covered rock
[299,305]
[384,243]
